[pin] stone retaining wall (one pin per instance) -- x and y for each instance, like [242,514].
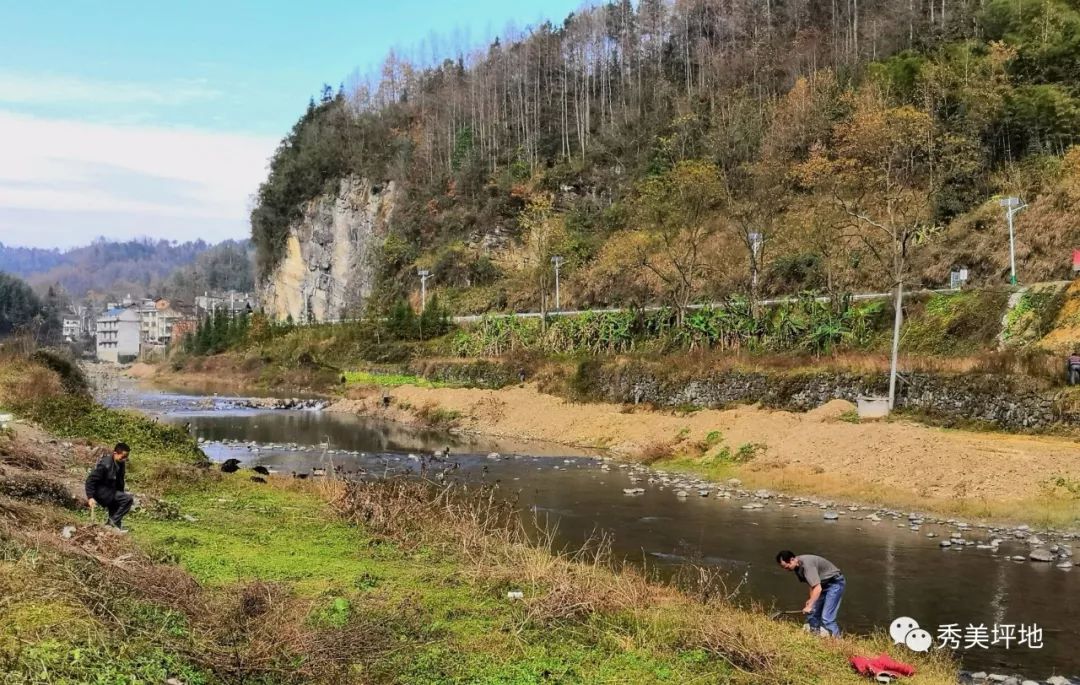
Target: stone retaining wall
[1015,402]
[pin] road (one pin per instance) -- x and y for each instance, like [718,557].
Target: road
[473,318]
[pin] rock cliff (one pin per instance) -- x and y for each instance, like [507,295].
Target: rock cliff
[328,267]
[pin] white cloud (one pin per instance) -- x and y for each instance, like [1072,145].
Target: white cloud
[83,171]
[55,89]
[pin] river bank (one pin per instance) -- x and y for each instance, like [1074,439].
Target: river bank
[825,452]
[288,581]
[672,523]
[818,453]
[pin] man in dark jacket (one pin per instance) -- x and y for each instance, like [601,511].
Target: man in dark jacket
[105,485]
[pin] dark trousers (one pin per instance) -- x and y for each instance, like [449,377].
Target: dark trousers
[118,508]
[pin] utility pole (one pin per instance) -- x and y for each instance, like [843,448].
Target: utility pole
[897,320]
[1012,205]
[424,274]
[755,251]
[558,262]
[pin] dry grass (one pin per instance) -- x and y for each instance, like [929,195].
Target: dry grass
[248,632]
[586,588]
[1051,507]
[654,452]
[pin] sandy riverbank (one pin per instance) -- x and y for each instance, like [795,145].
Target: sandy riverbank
[894,463]
[897,463]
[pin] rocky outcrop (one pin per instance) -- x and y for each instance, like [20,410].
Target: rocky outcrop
[328,268]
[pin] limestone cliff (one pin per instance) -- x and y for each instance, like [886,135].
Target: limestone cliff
[328,267]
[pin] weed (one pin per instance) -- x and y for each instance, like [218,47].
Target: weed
[849,416]
[748,451]
[656,451]
[389,380]
[35,488]
[686,409]
[438,418]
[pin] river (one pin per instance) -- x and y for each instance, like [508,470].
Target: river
[891,570]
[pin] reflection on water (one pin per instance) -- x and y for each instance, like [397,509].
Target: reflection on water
[890,570]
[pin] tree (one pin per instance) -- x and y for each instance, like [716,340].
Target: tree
[757,215]
[880,173]
[677,212]
[543,229]
[20,308]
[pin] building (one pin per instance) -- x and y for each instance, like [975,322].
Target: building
[183,328]
[118,334]
[232,302]
[156,321]
[72,328]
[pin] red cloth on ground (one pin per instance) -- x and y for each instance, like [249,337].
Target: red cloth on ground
[882,663]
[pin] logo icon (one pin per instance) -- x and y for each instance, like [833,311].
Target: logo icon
[900,627]
[906,631]
[918,640]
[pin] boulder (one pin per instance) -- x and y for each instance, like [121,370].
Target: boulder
[1041,554]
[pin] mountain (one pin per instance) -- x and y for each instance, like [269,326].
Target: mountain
[680,151]
[110,269]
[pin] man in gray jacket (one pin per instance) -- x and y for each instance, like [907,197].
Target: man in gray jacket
[105,486]
[826,588]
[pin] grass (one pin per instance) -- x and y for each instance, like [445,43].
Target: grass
[315,581]
[389,380]
[248,532]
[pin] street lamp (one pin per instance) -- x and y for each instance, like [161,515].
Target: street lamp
[424,274]
[1012,205]
[558,262]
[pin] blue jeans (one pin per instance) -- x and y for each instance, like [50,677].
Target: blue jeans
[823,615]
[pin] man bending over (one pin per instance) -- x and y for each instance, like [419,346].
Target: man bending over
[826,588]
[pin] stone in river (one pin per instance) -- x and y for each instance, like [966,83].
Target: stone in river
[1041,554]
[830,516]
[681,493]
[1065,565]
[945,543]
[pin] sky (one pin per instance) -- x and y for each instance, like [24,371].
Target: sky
[127,119]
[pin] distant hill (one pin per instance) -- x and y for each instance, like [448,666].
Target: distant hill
[142,267]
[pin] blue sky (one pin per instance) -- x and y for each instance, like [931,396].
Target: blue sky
[152,118]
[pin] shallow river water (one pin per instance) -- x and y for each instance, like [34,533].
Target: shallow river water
[891,571]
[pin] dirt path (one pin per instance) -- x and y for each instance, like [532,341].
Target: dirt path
[898,462]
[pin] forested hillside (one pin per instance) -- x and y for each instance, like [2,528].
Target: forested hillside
[681,151]
[140,268]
